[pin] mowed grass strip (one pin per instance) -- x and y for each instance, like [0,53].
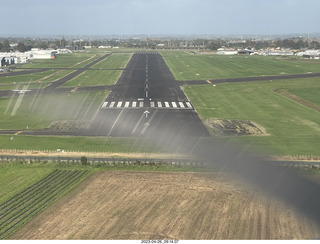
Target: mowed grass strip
[201,67]
[95,78]
[36,112]
[102,77]
[292,127]
[19,209]
[79,144]
[114,61]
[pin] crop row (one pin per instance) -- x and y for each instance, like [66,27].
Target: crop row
[19,209]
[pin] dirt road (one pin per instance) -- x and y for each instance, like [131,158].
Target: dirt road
[156,205]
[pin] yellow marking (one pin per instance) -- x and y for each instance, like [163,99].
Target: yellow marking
[209,82]
[17,133]
[74,89]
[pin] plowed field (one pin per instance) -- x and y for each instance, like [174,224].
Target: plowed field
[156,205]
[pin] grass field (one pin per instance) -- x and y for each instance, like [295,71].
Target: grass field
[23,206]
[292,127]
[38,112]
[185,66]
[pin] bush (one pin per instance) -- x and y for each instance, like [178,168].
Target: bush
[84,160]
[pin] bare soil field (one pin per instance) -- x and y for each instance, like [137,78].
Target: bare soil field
[164,205]
[225,127]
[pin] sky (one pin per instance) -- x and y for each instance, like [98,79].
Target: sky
[159,17]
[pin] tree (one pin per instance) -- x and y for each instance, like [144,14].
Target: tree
[84,160]
[5,46]
[21,47]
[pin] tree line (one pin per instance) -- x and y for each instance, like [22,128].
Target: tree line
[292,43]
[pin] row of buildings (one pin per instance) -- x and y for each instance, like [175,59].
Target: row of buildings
[19,57]
[271,52]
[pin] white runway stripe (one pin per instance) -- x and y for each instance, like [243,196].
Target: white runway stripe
[147,104]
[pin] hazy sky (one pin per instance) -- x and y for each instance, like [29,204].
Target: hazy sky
[152,17]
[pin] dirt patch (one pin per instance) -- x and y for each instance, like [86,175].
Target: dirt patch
[67,126]
[225,127]
[163,205]
[77,154]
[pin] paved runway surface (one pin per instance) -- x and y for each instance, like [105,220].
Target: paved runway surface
[147,101]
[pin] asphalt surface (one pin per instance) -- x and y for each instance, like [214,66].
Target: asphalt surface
[147,101]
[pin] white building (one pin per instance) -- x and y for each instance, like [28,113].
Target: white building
[42,54]
[227,51]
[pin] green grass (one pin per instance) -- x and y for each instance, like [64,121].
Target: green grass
[40,111]
[16,177]
[75,60]
[294,129]
[200,67]
[312,94]
[18,210]
[102,77]
[78,143]
[94,78]
[114,61]
[25,78]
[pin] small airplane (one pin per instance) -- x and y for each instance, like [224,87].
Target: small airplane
[21,91]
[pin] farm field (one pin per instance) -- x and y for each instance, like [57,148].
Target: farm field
[20,208]
[186,66]
[290,127]
[155,205]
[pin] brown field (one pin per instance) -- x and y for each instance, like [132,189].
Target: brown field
[163,205]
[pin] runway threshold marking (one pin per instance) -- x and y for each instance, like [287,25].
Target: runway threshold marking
[147,104]
[181,105]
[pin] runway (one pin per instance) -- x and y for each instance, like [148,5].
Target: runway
[147,101]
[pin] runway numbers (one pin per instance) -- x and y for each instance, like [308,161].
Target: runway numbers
[147,104]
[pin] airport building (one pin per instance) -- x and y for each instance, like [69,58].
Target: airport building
[20,58]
